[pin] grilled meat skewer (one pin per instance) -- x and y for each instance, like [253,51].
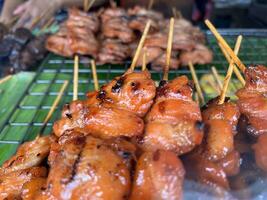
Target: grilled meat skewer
[174,121]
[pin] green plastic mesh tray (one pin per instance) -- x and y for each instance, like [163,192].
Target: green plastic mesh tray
[24,121]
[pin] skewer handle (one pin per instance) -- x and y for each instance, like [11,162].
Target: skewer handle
[53,107]
[237,61]
[5,79]
[217,77]
[95,78]
[144,59]
[237,72]
[229,71]
[169,50]
[140,45]
[75,77]
[195,79]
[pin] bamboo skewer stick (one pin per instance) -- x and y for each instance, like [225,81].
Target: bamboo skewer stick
[89,5]
[140,45]
[48,23]
[95,78]
[228,49]
[5,79]
[236,71]
[229,71]
[75,77]
[214,86]
[53,107]
[85,5]
[151,2]
[217,77]
[197,85]
[169,50]
[144,60]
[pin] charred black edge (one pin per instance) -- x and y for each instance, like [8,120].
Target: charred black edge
[117,87]
[74,167]
[200,125]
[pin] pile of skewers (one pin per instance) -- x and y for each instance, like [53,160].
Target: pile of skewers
[133,140]
[111,36]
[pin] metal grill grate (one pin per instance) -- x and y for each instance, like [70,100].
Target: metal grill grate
[25,120]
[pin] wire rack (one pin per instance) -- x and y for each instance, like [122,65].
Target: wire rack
[26,119]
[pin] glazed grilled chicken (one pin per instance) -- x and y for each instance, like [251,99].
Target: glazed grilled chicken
[174,121]
[221,124]
[85,168]
[14,185]
[29,154]
[130,96]
[252,99]
[158,175]
[202,170]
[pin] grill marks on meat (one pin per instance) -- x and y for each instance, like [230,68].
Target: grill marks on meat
[158,175]
[85,168]
[174,121]
[76,36]
[29,154]
[114,111]
[252,99]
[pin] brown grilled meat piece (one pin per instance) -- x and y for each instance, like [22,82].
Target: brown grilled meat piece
[141,11]
[260,152]
[206,172]
[85,168]
[111,13]
[228,111]
[152,53]
[221,125]
[174,121]
[200,54]
[113,51]
[58,45]
[158,175]
[82,19]
[101,121]
[252,99]
[139,17]
[118,28]
[231,163]
[29,154]
[159,63]
[33,188]
[180,41]
[11,184]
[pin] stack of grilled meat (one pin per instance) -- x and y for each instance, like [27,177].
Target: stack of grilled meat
[111,36]
[20,50]
[133,140]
